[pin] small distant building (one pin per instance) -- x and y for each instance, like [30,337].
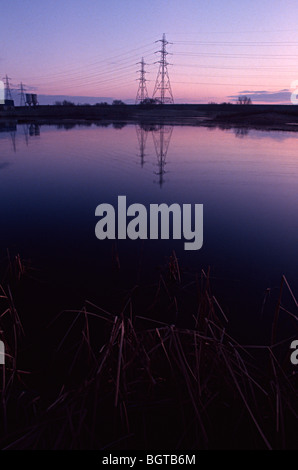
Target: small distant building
[28,99]
[7,105]
[31,99]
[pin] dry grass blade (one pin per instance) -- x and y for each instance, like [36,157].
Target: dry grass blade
[221,310]
[276,315]
[251,379]
[153,382]
[164,348]
[108,347]
[68,331]
[245,401]
[189,387]
[119,364]
[290,290]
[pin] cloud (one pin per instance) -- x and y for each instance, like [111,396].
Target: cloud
[254,91]
[265,96]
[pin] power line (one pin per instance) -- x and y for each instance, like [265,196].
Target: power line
[196,33]
[230,67]
[82,80]
[78,69]
[116,75]
[238,43]
[237,55]
[226,84]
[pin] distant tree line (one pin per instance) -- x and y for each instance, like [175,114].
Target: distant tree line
[64,103]
[104,103]
[146,102]
[150,101]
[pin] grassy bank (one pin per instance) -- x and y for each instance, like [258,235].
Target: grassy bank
[122,378]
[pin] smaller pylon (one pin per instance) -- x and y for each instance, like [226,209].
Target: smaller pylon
[13,140]
[7,88]
[142,93]
[22,93]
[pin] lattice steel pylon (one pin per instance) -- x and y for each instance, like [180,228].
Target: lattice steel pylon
[162,90]
[142,93]
[7,88]
[142,134]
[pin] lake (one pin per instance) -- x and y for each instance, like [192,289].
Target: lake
[54,176]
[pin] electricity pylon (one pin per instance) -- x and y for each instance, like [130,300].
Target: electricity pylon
[7,88]
[162,90]
[142,93]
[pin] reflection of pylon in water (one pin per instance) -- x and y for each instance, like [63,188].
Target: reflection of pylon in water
[161,138]
[13,140]
[34,130]
[26,133]
[142,138]
[162,90]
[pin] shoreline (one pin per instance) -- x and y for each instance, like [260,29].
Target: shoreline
[225,116]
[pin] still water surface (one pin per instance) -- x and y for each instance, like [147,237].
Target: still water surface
[52,179]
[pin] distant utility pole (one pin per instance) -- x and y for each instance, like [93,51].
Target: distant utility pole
[22,93]
[162,90]
[7,88]
[142,93]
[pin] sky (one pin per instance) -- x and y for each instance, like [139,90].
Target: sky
[90,48]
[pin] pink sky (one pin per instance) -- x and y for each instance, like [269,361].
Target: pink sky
[92,48]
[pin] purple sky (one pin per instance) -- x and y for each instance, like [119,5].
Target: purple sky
[90,48]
